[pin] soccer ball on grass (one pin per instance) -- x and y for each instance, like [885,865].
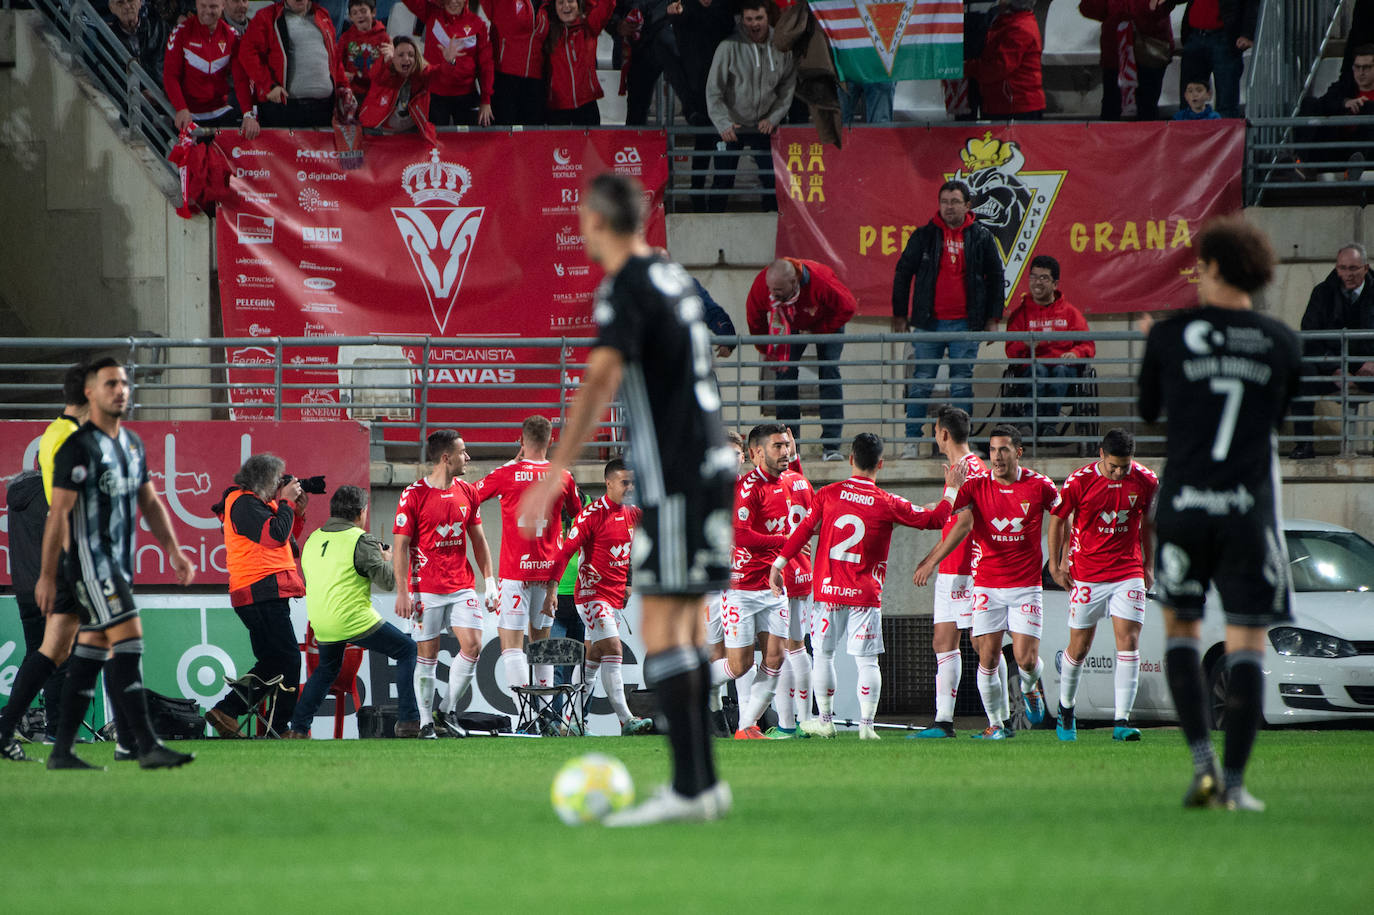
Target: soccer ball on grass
[589,787]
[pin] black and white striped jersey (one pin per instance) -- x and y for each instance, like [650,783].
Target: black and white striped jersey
[106,474]
[650,312]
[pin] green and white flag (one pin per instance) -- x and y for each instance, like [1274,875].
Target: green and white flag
[884,41]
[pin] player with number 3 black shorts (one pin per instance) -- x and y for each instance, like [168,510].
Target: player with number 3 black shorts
[654,347]
[1223,376]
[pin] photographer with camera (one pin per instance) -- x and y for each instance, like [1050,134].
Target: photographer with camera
[263,514]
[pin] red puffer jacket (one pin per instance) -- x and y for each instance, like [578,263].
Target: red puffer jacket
[262,52]
[472,70]
[518,28]
[1008,72]
[1111,13]
[572,59]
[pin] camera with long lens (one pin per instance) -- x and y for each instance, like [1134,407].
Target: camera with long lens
[313,485]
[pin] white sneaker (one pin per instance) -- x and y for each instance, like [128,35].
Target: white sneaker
[1238,798]
[832,456]
[667,806]
[818,728]
[867,732]
[911,453]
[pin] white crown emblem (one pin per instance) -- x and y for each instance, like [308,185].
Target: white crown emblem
[435,181]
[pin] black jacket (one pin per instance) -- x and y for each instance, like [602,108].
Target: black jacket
[920,261]
[28,509]
[1327,310]
[1332,101]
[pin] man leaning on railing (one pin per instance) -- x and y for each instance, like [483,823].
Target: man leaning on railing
[1342,301]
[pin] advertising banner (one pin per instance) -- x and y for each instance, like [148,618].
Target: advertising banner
[191,464]
[1117,205]
[478,237]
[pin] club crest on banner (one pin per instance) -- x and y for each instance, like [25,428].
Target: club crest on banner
[439,234]
[1011,202]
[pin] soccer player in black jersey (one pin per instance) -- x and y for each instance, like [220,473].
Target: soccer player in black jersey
[1223,376]
[654,347]
[100,483]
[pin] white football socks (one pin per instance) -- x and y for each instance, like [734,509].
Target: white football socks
[424,688]
[800,662]
[947,674]
[1127,682]
[1029,679]
[870,688]
[517,667]
[786,703]
[1068,680]
[765,687]
[1004,708]
[460,671]
[823,683]
[589,672]
[543,675]
[613,681]
[990,689]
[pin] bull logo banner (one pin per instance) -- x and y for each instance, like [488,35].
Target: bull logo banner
[1116,204]
[476,238]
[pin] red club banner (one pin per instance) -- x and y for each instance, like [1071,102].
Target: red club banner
[191,464]
[1116,204]
[477,237]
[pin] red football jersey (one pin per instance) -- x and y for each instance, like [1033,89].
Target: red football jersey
[960,562]
[800,496]
[437,521]
[1007,519]
[855,520]
[523,559]
[603,533]
[761,508]
[1107,514]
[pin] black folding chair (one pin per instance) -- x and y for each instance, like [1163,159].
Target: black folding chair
[537,711]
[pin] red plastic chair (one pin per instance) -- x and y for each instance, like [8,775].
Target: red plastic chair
[345,684]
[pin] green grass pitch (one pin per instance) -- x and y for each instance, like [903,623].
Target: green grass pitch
[1030,825]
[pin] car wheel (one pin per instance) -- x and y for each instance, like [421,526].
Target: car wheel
[1218,681]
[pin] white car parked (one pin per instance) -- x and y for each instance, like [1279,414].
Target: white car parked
[1318,667]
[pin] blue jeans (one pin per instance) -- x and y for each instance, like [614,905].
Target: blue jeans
[1050,393]
[876,98]
[830,391]
[1212,53]
[931,348]
[388,640]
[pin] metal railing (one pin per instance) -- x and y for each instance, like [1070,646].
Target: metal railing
[137,94]
[201,380]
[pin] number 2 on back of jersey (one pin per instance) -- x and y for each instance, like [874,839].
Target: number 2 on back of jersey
[840,551]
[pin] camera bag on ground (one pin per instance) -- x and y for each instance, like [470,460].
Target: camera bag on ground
[175,719]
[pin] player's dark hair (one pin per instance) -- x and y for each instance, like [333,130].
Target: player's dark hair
[348,502]
[1006,430]
[614,465]
[954,421]
[1118,443]
[536,430]
[618,200]
[959,186]
[734,438]
[74,385]
[867,451]
[1241,251]
[764,431]
[438,444]
[107,362]
[1045,262]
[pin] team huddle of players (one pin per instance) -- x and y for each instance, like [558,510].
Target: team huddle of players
[987,577]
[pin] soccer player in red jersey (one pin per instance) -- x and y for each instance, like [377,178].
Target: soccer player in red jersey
[794,681]
[603,533]
[715,629]
[749,608]
[526,566]
[1106,568]
[953,581]
[854,521]
[1008,511]
[436,518]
